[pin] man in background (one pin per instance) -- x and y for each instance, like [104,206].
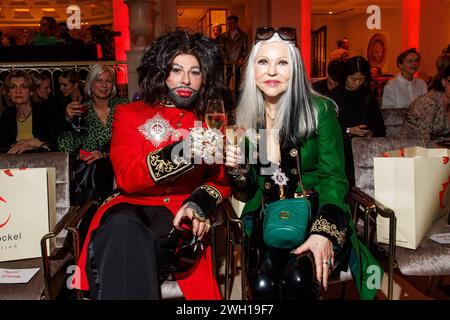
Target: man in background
[234,46]
[341,53]
[47,33]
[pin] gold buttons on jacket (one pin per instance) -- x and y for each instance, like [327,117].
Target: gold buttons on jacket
[166,199]
[294,172]
[267,185]
[293,152]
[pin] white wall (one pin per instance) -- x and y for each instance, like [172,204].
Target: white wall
[355,29]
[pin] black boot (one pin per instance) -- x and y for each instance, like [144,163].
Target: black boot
[298,278]
[267,282]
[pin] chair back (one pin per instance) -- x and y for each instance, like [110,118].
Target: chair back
[393,120]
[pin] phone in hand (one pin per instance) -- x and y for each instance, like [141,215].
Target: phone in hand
[84,154]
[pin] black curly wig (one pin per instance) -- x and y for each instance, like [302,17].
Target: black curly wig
[157,62]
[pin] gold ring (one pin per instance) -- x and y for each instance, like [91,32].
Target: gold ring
[325,261]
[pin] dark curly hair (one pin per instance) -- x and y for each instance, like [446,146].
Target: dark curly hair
[157,62]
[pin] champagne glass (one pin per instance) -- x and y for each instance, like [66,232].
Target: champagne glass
[215,114]
[77,120]
[234,136]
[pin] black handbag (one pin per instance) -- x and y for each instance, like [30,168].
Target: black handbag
[91,182]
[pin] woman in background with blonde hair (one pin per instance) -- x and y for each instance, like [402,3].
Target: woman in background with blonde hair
[88,139]
[24,126]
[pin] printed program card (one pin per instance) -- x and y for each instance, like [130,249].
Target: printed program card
[17,275]
[442,238]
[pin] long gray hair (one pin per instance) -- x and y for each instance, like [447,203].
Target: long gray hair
[296,117]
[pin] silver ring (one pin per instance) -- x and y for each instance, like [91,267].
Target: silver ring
[326,261]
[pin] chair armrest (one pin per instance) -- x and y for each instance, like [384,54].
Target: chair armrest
[372,207]
[72,225]
[69,220]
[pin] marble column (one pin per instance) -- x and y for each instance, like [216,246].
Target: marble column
[142,15]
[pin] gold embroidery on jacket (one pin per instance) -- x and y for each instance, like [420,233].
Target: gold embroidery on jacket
[322,225]
[114,195]
[213,192]
[161,169]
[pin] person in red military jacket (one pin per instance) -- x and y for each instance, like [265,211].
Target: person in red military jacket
[129,246]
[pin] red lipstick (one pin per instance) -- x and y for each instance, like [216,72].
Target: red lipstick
[184,93]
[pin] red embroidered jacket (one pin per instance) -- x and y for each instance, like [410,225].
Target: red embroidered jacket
[147,175]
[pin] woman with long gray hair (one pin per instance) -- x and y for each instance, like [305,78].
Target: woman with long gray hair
[299,143]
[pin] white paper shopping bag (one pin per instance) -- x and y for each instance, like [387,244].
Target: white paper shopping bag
[414,183]
[27,211]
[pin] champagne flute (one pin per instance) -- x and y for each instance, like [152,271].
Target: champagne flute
[234,136]
[77,120]
[215,114]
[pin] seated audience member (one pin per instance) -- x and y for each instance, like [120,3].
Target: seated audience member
[70,85]
[441,63]
[26,37]
[64,34]
[428,115]
[299,147]
[404,88]
[375,72]
[89,145]
[24,126]
[359,113]
[42,86]
[47,33]
[334,71]
[71,88]
[179,73]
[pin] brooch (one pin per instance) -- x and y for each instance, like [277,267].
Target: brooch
[281,180]
[156,130]
[279,177]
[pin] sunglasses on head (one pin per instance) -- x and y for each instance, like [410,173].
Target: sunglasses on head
[285,33]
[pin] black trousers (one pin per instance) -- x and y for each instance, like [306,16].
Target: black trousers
[129,254]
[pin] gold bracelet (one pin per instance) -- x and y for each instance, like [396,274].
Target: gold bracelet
[195,215]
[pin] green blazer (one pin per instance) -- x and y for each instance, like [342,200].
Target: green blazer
[323,169]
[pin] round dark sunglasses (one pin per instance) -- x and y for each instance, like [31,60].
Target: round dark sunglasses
[285,33]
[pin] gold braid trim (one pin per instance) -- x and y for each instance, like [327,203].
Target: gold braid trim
[161,169]
[322,225]
[114,195]
[213,192]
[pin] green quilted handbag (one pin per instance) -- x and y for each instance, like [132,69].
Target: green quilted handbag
[285,222]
